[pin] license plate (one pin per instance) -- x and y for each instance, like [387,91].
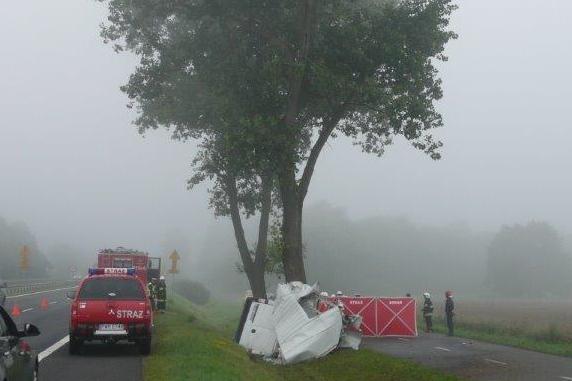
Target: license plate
[111,327]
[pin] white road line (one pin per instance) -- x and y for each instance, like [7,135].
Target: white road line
[496,362]
[53,348]
[443,349]
[28,309]
[40,292]
[566,378]
[53,302]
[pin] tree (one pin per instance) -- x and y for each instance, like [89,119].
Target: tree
[13,236]
[528,260]
[363,69]
[238,189]
[276,80]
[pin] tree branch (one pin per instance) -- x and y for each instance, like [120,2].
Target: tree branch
[327,129]
[306,9]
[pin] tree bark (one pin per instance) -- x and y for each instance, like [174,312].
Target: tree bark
[292,255]
[293,195]
[257,282]
[254,269]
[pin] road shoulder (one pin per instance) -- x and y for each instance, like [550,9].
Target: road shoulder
[476,360]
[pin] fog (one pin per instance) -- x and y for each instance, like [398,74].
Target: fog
[77,173]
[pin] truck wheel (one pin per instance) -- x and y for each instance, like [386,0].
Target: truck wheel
[145,346]
[74,345]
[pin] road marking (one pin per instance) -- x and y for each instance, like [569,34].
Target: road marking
[28,309]
[566,378]
[40,292]
[496,362]
[53,348]
[53,302]
[443,349]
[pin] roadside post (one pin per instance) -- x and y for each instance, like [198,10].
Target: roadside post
[175,258]
[24,260]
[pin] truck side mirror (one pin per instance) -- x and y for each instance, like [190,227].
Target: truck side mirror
[31,330]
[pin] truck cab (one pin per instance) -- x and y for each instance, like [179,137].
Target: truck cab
[146,267]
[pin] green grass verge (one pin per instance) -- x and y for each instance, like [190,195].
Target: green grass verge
[195,343]
[550,342]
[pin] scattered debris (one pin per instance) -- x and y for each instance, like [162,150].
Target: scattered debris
[299,324]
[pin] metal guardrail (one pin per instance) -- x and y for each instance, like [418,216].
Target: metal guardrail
[18,282]
[20,287]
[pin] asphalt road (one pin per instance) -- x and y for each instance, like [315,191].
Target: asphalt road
[468,359]
[96,362]
[474,360]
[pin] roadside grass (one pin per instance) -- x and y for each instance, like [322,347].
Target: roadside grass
[195,343]
[548,338]
[549,341]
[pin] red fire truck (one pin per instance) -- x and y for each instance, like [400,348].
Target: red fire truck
[146,267]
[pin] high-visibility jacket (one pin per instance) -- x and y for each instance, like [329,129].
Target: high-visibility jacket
[428,308]
[161,292]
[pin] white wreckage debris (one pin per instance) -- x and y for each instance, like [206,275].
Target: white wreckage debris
[299,324]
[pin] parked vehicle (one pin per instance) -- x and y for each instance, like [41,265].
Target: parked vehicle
[146,267]
[18,362]
[111,305]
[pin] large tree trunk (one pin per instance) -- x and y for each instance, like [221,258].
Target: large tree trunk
[292,254]
[293,195]
[257,282]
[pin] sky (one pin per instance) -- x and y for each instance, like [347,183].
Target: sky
[75,170]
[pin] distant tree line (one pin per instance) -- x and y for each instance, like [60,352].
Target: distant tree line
[13,236]
[393,256]
[529,260]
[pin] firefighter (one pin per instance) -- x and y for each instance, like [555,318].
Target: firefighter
[162,294]
[449,311]
[153,293]
[428,312]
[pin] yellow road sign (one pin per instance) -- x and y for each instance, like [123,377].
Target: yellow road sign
[175,258]
[24,258]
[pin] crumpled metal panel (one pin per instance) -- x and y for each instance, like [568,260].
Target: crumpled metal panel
[298,327]
[299,336]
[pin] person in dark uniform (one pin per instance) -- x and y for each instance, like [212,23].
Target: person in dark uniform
[162,294]
[153,293]
[428,312]
[449,311]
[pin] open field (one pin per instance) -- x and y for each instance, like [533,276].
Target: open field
[195,343]
[536,324]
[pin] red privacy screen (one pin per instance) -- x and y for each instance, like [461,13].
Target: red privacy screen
[383,316]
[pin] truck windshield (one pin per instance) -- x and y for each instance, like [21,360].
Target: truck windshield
[111,288]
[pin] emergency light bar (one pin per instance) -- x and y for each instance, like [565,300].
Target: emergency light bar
[112,270]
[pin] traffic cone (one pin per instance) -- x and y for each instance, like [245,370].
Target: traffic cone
[16,311]
[44,303]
